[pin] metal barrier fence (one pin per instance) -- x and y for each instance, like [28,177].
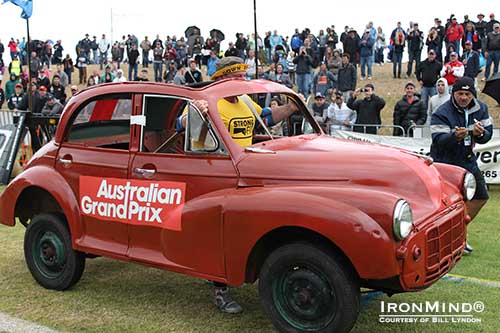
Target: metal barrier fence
[7,116]
[386,130]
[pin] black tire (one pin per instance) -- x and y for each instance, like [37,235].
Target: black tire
[49,254]
[304,288]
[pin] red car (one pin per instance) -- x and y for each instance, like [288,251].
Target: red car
[312,217]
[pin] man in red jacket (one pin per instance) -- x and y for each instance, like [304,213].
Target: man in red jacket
[452,70]
[454,34]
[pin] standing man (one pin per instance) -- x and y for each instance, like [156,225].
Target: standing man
[103,51]
[346,81]
[133,55]
[398,39]
[456,127]
[492,50]
[145,47]
[366,44]
[368,109]
[158,61]
[304,65]
[470,59]
[409,111]
[428,72]
[415,44]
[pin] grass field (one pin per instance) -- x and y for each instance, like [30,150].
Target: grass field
[114,296]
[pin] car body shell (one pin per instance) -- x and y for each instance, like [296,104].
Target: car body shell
[238,204]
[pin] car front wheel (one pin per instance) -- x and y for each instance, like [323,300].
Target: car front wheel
[306,288]
[49,254]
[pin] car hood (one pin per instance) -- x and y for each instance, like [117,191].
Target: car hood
[337,162]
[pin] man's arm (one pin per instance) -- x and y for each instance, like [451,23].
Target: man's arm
[282,111]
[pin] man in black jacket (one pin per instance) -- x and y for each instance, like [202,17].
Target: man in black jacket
[470,59]
[428,72]
[346,81]
[415,42]
[368,109]
[409,111]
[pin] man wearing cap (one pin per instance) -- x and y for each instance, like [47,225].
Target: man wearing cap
[170,72]
[351,45]
[409,111]
[346,78]
[481,25]
[158,60]
[456,127]
[319,108]
[52,107]
[193,74]
[428,72]
[339,116]
[42,80]
[366,44]
[470,59]
[492,50]
[15,98]
[454,33]
[452,69]
[243,108]
[368,109]
[491,24]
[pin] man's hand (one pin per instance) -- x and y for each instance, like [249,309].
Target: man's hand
[478,128]
[201,105]
[460,133]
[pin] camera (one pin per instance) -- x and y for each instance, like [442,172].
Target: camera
[361,90]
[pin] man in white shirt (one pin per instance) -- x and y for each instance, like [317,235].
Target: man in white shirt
[338,115]
[103,50]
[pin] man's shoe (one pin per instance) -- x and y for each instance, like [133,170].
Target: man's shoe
[369,77]
[224,301]
[468,249]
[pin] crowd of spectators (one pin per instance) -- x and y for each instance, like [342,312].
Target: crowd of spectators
[324,66]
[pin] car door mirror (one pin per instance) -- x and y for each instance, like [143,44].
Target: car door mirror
[199,135]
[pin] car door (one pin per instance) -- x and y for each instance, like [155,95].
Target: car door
[93,154]
[189,236]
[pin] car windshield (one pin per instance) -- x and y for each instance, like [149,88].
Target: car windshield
[258,117]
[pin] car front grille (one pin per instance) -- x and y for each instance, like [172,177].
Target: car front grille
[444,243]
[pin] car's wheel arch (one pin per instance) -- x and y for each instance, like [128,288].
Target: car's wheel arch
[43,190]
[281,236]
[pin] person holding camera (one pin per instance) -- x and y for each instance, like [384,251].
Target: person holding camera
[368,109]
[304,64]
[456,127]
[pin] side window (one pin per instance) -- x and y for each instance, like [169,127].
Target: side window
[103,122]
[159,134]
[200,137]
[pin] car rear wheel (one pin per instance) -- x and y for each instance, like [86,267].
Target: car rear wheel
[49,254]
[306,288]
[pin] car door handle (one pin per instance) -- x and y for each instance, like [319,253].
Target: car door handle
[144,172]
[65,161]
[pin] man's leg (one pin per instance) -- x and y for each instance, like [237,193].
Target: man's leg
[223,299]
[489,60]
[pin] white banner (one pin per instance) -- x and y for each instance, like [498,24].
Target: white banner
[488,155]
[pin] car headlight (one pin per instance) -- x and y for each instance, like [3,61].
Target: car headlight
[469,186]
[402,220]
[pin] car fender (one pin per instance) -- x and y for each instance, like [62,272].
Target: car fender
[45,178]
[251,213]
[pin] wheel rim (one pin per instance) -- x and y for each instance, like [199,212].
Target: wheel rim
[304,298]
[49,254]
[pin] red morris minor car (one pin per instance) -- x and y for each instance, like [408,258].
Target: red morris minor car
[312,217]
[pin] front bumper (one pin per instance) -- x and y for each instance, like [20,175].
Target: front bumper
[433,249]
